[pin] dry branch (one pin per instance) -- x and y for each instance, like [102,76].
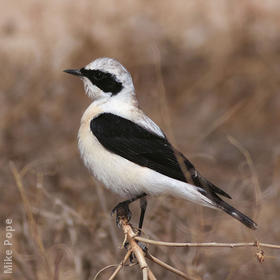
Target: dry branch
[120,265]
[167,266]
[208,244]
[135,248]
[141,255]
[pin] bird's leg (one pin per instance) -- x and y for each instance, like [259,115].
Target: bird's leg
[143,207]
[122,209]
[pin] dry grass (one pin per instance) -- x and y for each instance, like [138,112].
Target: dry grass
[207,69]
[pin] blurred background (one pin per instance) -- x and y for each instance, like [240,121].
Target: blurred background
[206,71]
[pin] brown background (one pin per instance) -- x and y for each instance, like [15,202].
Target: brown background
[206,71]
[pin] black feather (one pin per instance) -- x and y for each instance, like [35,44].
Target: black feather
[235,213]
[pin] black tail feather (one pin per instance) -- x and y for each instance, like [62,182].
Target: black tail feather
[211,191]
[236,214]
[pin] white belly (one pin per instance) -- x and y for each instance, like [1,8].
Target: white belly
[115,172]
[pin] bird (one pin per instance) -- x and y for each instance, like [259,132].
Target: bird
[129,153]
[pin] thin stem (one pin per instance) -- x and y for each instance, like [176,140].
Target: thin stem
[145,273]
[119,266]
[207,244]
[167,266]
[151,275]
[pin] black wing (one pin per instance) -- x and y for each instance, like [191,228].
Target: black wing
[133,142]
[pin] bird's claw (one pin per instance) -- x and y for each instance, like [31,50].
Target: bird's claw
[122,212]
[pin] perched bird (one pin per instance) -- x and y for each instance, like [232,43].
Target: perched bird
[129,153]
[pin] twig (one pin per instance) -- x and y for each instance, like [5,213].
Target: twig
[145,273]
[139,254]
[151,275]
[167,266]
[105,268]
[207,244]
[119,266]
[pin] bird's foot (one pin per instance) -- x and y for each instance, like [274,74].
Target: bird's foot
[122,212]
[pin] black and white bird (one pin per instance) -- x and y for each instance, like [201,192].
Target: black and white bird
[129,153]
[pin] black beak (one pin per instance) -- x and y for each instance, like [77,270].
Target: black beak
[76,72]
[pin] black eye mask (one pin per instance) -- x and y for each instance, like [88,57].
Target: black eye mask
[105,81]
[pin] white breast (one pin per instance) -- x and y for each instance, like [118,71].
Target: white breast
[115,172]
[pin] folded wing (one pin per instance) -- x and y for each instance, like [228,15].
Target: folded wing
[145,148]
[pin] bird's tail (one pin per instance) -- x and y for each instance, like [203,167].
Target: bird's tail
[236,214]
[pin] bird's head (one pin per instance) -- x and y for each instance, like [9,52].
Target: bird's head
[105,78]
